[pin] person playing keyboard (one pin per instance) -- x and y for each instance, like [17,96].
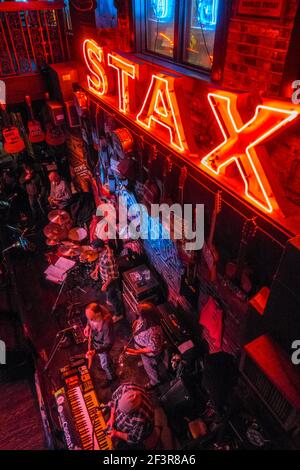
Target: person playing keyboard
[131,418]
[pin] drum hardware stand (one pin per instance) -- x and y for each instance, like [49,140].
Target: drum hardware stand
[58,296]
[60,291]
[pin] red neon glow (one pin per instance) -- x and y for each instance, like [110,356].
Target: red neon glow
[94,58]
[124,70]
[160,106]
[236,147]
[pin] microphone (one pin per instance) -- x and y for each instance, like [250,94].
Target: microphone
[14,245]
[9,201]
[73,327]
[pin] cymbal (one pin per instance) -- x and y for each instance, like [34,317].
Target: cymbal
[77,234]
[88,254]
[59,217]
[68,251]
[70,244]
[85,248]
[55,231]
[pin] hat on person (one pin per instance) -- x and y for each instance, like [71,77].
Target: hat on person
[98,243]
[130,401]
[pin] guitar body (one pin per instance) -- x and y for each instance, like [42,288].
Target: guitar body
[210,254]
[231,270]
[243,278]
[35,132]
[54,135]
[211,257]
[246,281]
[13,143]
[237,271]
[90,352]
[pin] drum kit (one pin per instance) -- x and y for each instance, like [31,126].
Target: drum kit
[69,240]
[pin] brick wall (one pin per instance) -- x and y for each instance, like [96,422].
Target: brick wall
[256,51]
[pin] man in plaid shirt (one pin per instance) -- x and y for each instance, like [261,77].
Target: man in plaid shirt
[109,274]
[132,416]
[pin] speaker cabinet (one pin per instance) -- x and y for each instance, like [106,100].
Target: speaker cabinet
[56,113]
[282,313]
[62,77]
[288,272]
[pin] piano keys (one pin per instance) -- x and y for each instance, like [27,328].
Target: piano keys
[65,417]
[80,415]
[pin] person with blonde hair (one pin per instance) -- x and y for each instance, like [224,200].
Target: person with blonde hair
[100,327]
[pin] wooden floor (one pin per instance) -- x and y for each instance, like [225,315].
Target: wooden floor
[21,426]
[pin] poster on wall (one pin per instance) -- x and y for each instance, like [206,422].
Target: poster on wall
[78,163]
[261,8]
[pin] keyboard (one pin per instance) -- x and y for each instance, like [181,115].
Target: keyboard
[80,416]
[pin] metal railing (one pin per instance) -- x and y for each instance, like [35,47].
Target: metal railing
[32,34]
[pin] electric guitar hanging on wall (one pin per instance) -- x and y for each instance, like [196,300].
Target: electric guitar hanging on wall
[237,271]
[151,189]
[167,181]
[35,131]
[184,255]
[12,140]
[209,251]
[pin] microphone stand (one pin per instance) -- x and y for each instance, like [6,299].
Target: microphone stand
[57,345]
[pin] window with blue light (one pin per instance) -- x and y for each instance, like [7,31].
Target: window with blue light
[106,14]
[160,20]
[200,26]
[192,24]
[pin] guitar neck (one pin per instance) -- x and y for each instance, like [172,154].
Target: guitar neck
[241,259]
[212,229]
[29,107]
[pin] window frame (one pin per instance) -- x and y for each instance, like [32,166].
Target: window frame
[219,51]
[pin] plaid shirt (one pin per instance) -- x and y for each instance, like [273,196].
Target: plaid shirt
[152,338]
[107,266]
[137,425]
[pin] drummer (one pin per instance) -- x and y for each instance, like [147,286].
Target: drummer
[60,192]
[108,270]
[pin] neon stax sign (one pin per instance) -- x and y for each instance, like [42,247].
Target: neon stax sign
[159,113]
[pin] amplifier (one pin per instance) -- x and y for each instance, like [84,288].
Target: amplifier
[131,304]
[177,396]
[72,115]
[288,272]
[174,329]
[141,282]
[62,78]
[271,374]
[56,112]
